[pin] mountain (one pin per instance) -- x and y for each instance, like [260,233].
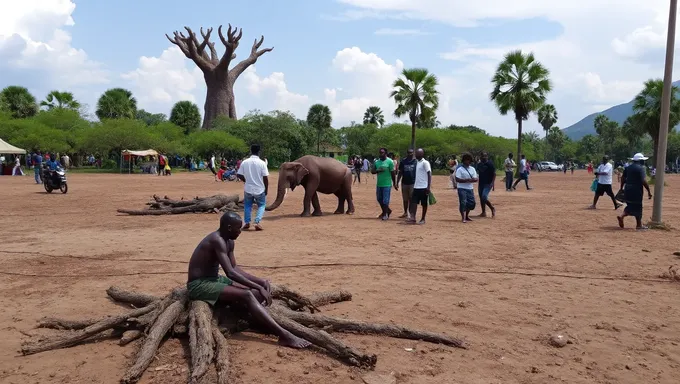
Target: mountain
[618,113]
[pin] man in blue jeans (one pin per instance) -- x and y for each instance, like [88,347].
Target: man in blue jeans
[487,177]
[253,172]
[37,167]
[509,166]
[384,168]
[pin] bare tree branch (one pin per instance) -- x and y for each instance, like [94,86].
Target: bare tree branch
[255,53]
[206,40]
[231,42]
[189,45]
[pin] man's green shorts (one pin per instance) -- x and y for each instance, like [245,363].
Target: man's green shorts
[208,289]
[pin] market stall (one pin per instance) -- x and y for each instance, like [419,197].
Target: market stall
[128,158]
[8,149]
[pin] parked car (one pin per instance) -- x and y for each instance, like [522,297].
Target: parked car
[548,166]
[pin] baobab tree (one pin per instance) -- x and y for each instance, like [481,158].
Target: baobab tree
[219,78]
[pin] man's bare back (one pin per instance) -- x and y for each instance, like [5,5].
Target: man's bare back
[204,282]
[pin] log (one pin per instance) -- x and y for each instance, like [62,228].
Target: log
[182,324]
[179,293]
[174,207]
[344,325]
[282,292]
[137,299]
[323,340]
[221,355]
[55,323]
[130,336]
[83,334]
[201,340]
[152,341]
[320,299]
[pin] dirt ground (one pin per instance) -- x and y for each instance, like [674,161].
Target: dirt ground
[492,282]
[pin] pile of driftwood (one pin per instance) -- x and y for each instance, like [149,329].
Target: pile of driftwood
[153,318]
[168,206]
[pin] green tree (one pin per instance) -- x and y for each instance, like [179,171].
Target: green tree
[319,117]
[357,138]
[520,85]
[428,119]
[547,117]
[18,101]
[588,148]
[207,142]
[608,131]
[150,118]
[468,128]
[116,103]
[186,115]
[647,107]
[60,100]
[556,139]
[415,93]
[374,115]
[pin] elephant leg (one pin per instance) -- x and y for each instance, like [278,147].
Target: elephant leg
[316,205]
[346,191]
[341,202]
[310,193]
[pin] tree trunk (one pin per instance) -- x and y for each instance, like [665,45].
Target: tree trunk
[413,134]
[519,145]
[656,148]
[218,99]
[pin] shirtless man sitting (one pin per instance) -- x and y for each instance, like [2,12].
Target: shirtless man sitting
[204,283]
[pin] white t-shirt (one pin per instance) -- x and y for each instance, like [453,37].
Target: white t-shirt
[422,168]
[523,166]
[254,170]
[465,173]
[605,179]
[509,164]
[212,162]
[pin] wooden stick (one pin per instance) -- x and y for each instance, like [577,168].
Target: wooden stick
[201,340]
[221,355]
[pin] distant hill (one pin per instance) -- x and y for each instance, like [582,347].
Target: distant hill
[618,113]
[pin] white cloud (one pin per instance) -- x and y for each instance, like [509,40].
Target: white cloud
[606,50]
[164,80]
[37,51]
[400,32]
[274,87]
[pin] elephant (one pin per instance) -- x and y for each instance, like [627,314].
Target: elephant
[316,175]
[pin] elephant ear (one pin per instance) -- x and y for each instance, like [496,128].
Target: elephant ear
[300,172]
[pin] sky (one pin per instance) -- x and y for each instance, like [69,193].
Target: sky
[342,53]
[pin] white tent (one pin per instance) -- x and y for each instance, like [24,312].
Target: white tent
[9,149]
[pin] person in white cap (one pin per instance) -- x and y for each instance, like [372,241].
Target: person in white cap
[633,180]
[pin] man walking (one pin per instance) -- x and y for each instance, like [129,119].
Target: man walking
[384,167]
[407,177]
[487,177]
[604,174]
[523,174]
[421,187]
[211,165]
[37,167]
[509,165]
[253,172]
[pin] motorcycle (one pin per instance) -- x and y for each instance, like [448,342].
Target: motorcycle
[55,180]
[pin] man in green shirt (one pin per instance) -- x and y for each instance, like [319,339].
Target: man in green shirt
[384,167]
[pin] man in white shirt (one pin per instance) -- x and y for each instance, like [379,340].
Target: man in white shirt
[509,165]
[604,174]
[421,187]
[253,172]
[466,176]
[211,165]
[523,174]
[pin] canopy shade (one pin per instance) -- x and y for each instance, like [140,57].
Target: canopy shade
[8,149]
[148,152]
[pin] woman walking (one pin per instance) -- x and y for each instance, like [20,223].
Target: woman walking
[633,180]
[466,176]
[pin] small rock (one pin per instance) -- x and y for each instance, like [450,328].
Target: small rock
[535,370]
[305,372]
[628,367]
[558,341]
[676,253]
[646,250]
[280,353]
[376,378]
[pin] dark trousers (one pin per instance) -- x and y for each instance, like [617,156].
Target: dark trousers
[508,179]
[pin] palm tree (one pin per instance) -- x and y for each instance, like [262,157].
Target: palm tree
[647,109]
[116,103]
[520,85]
[186,115]
[60,100]
[547,117]
[18,101]
[415,94]
[319,117]
[374,115]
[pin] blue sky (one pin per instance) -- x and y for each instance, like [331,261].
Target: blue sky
[344,53]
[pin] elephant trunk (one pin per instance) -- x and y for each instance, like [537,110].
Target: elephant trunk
[280,194]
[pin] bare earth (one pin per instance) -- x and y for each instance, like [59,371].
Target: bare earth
[71,247]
